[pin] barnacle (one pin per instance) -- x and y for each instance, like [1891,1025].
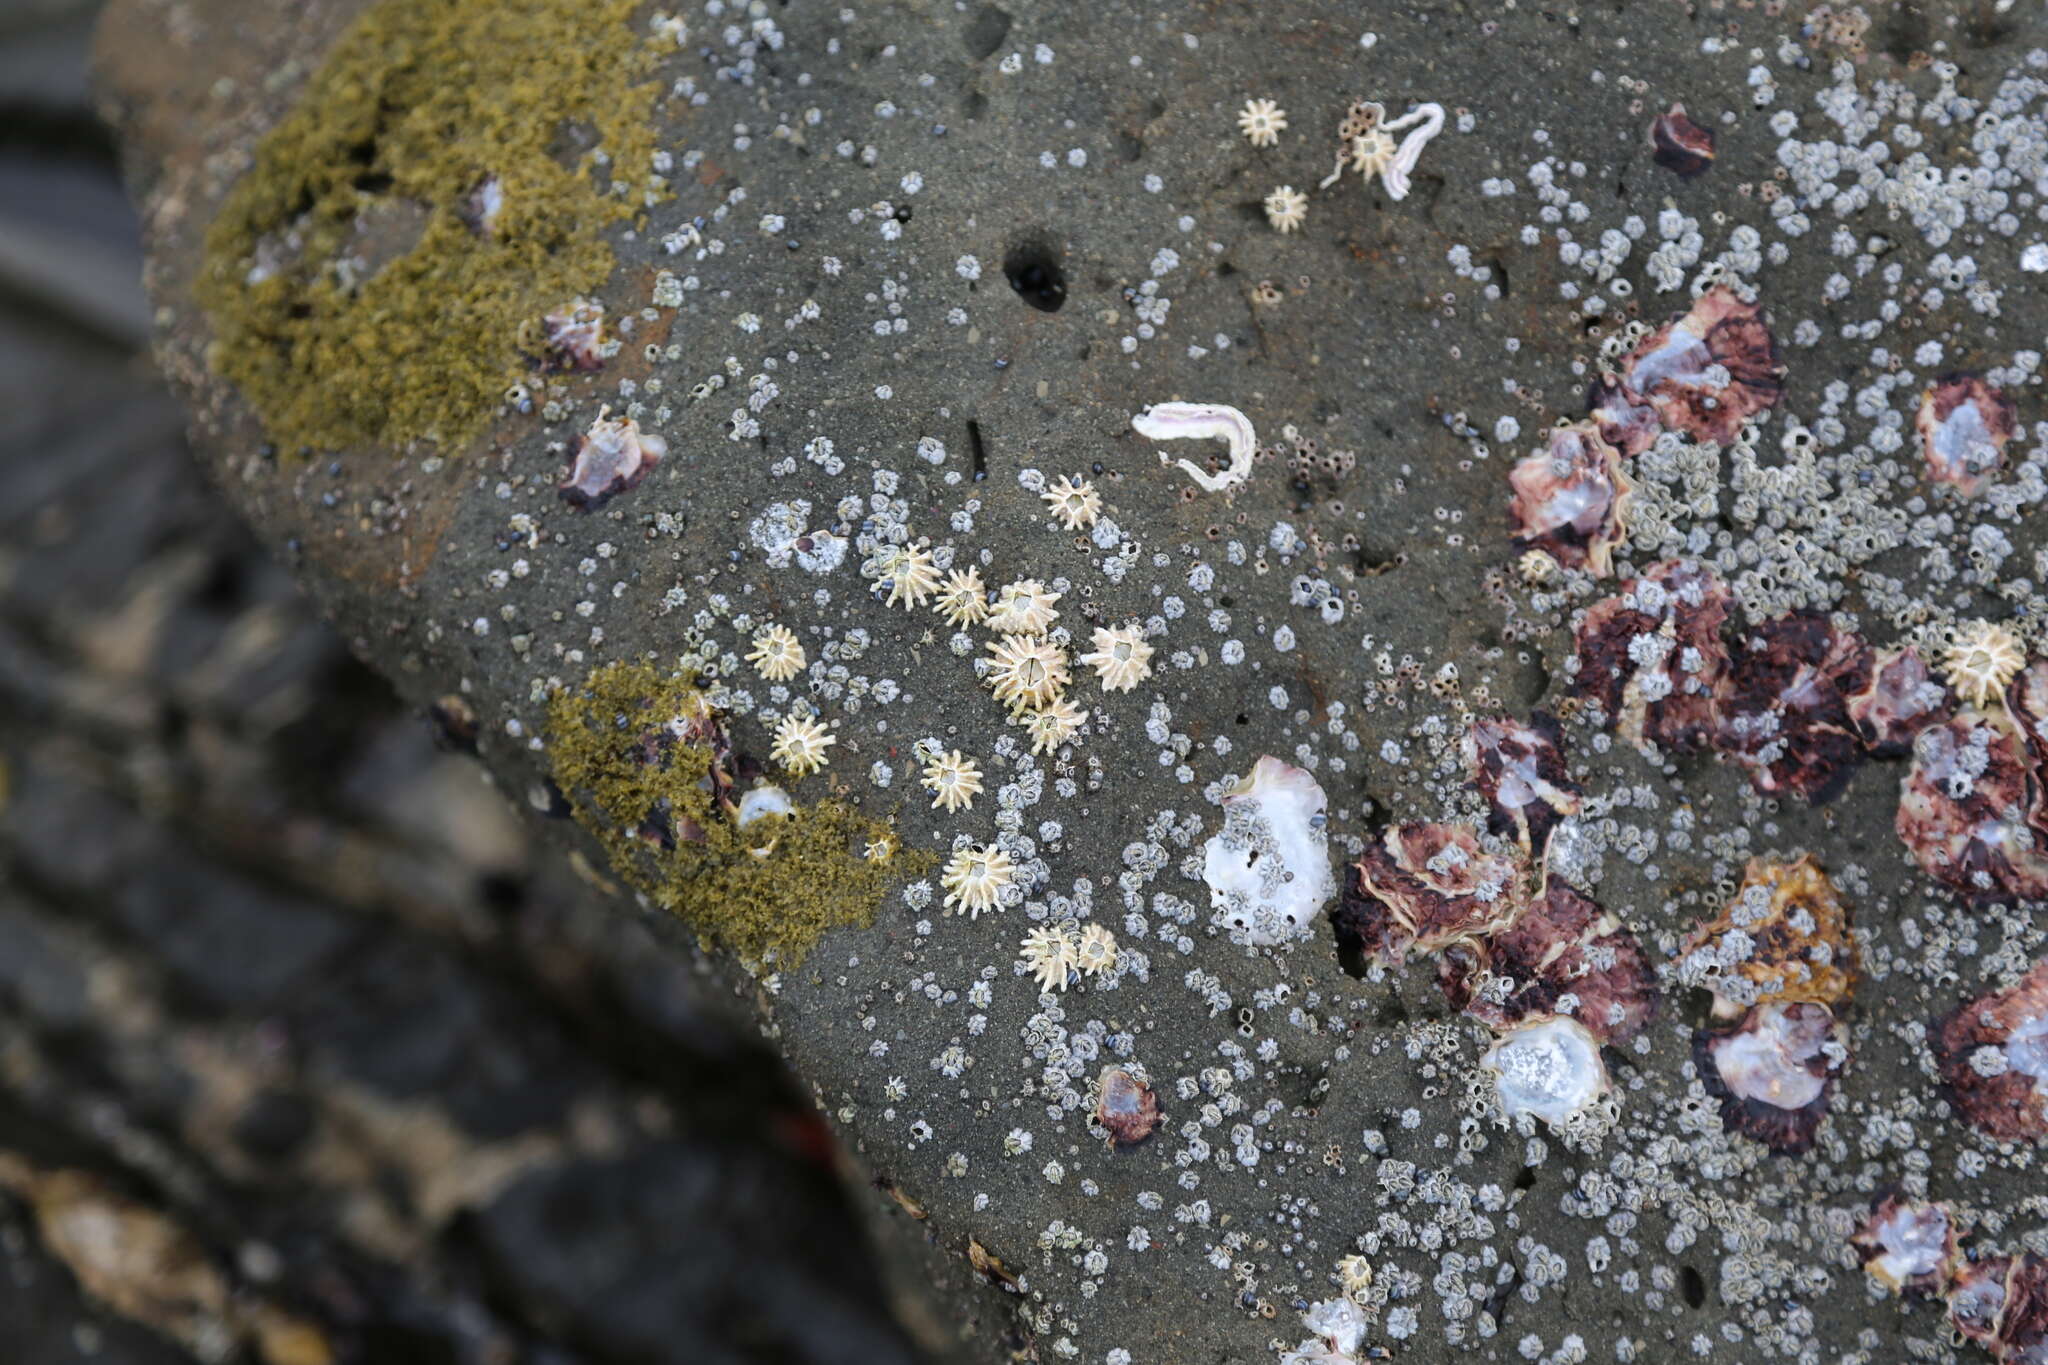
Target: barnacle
[1964,424]
[1426,886]
[1095,952]
[1024,608]
[1027,671]
[777,655]
[1709,371]
[1261,121]
[1785,715]
[1571,500]
[1339,1335]
[800,744]
[1074,501]
[1365,143]
[1548,1068]
[1121,658]
[1784,937]
[1125,1107]
[974,878]
[1286,208]
[1678,144]
[954,779]
[1520,770]
[1049,955]
[1268,868]
[1564,956]
[1982,658]
[1964,811]
[1901,698]
[1772,1072]
[611,457]
[1907,1246]
[1053,724]
[963,601]
[907,569]
[1992,1054]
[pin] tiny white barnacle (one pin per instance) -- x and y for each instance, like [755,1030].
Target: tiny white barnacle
[1053,724]
[1074,501]
[800,744]
[777,654]
[1286,208]
[975,876]
[1121,658]
[1049,955]
[1981,659]
[963,601]
[1024,608]
[1096,952]
[1027,671]
[955,780]
[1261,121]
[880,850]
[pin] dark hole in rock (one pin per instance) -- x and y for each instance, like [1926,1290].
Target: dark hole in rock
[1692,1286]
[1033,270]
[986,31]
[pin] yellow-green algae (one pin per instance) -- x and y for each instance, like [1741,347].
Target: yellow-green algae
[768,909]
[420,102]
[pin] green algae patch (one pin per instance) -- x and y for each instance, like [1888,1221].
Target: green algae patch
[446,179]
[645,761]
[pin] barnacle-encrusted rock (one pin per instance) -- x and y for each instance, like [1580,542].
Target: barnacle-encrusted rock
[1520,770]
[1268,868]
[1993,1057]
[1571,500]
[1425,886]
[1908,1246]
[1785,717]
[1964,424]
[1964,811]
[1708,372]
[1785,937]
[1566,956]
[1652,655]
[1773,1072]
[1901,697]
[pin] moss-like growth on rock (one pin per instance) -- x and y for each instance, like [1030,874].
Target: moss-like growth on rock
[643,759]
[445,179]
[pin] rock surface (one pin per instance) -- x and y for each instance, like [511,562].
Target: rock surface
[919,262]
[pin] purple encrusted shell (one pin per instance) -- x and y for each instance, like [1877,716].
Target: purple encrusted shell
[1624,421]
[1771,1072]
[1571,500]
[2001,1303]
[574,336]
[1520,769]
[1785,716]
[1710,371]
[1652,656]
[1992,1054]
[612,457]
[1902,697]
[1565,956]
[1963,425]
[1908,1246]
[1125,1107]
[1680,145]
[1965,807]
[1425,886]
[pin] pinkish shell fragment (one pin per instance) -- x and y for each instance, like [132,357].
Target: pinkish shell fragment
[575,335]
[1964,424]
[1571,500]
[1652,656]
[1772,1072]
[1786,714]
[1902,697]
[1566,956]
[2001,1303]
[1425,886]
[1680,145]
[1964,811]
[1907,1246]
[1624,421]
[1993,1058]
[1709,371]
[1521,772]
[1125,1107]
[611,457]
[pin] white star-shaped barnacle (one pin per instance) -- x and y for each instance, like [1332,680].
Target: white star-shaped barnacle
[1121,658]
[1027,671]
[1074,501]
[1053,724]
[975,877]
[800,744]
[1982,658]
[1096,952]
[1049,956]
[954,779]
[909,572]
[1286,208]
[777,655]
[963,601]
[1261,122]
[1024,608]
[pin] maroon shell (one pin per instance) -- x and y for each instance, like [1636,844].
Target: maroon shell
[1963,425]
[1565,945]
[1902,697]
[1624,420]
[1786,714]
[1520,770]
[1678,144]
[2008,1105]
[1127,1110]
[1653,658]
[1770,1074]
[1571,500]
[1710,371]
[1425,886]
[1908,1245]
[2001,1303]
[1964,810]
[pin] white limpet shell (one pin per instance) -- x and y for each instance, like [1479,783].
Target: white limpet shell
[766,799]
[1202,421]
[1549,1068]
[1268,869]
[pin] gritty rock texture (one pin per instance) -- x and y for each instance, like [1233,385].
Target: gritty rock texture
[913,267]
